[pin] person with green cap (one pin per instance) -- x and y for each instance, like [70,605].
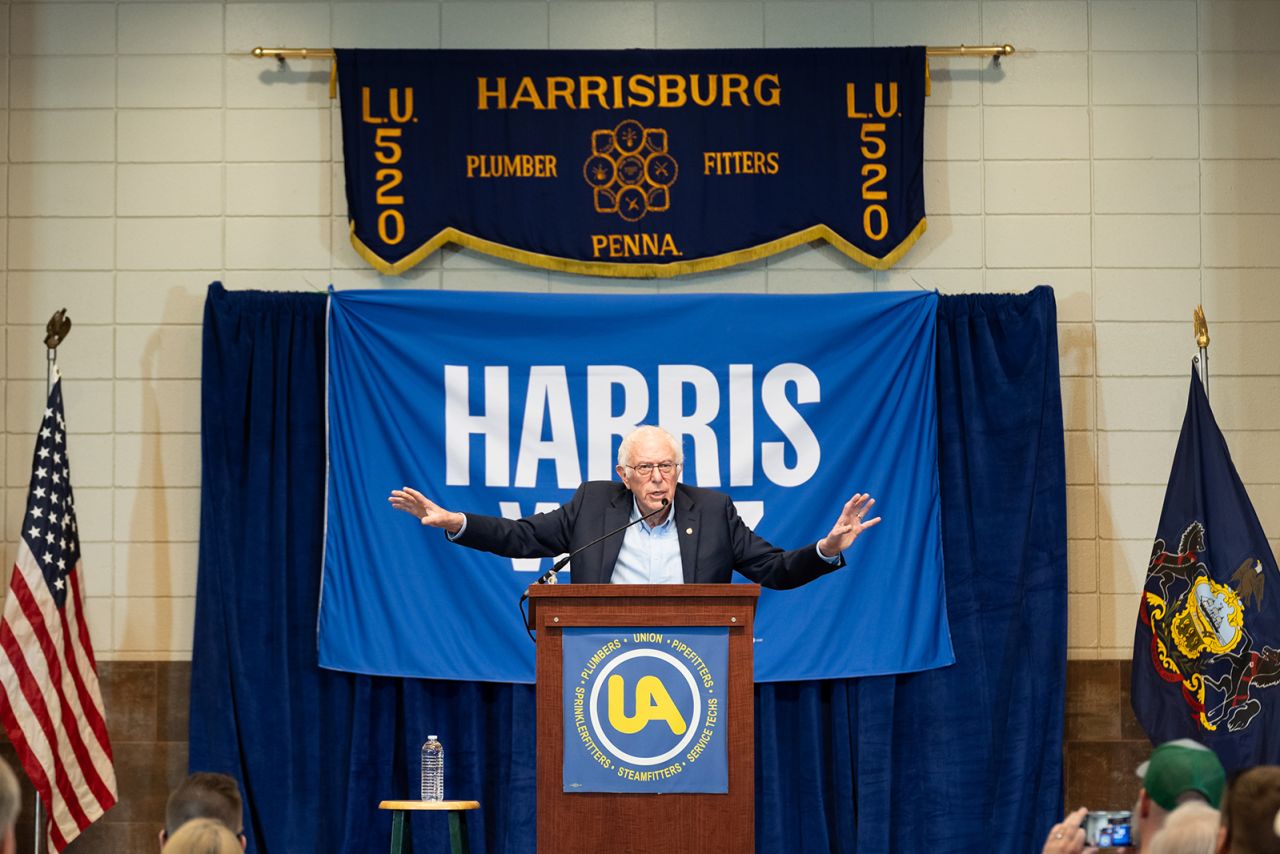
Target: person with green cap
[1177,772]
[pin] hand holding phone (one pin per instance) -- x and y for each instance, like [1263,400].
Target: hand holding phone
[1067,836]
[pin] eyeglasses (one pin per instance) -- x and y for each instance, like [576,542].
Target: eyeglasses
[646,469]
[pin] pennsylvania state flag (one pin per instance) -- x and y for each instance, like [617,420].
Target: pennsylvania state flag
[1206,651]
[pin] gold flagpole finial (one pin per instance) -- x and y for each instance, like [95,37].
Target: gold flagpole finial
[1202,328]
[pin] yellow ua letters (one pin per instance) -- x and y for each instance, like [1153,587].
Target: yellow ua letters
[653,703]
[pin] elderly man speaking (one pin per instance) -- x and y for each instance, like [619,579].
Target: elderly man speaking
[689,535]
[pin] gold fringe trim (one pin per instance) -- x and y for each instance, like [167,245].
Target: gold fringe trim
[333,79]
[928,79]
[636,271]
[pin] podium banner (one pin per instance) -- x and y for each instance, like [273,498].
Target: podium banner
[637,163]
[643,709]
[502,404]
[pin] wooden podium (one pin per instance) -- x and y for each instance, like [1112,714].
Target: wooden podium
[643,823]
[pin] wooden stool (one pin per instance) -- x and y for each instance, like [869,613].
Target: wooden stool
[458,842]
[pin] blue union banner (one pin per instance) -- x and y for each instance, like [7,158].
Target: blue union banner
[634,163]
[643,710]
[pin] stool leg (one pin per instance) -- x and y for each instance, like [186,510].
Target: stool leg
[459,843]
[397,831]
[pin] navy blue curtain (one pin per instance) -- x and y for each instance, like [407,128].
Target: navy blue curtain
[967,758]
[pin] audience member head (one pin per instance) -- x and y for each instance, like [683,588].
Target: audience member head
[1190,829]
[202,836]
[10,802]
[1249,812]
[1178,772]
[205,795]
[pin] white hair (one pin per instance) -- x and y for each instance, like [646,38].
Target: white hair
[1192,828]
[648,430]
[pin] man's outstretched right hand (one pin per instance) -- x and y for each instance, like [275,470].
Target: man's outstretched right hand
[425,510]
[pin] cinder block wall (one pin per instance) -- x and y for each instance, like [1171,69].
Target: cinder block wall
[1129,155]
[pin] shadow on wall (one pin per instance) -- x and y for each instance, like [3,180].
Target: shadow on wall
[965,70]
[150,528]
[279,73]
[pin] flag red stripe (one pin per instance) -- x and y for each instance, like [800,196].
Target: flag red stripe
[105,797]
[36,700]
[56,838]
[82,628]
[39,711]
[27,755]
[71,729]
[30,762]
[87,698]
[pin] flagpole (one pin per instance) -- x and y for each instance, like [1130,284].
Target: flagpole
[1202,341]
[56,330]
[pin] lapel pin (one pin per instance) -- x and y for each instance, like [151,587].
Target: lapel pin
[688,530]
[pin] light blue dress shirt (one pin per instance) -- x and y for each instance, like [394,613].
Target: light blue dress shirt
[649,555]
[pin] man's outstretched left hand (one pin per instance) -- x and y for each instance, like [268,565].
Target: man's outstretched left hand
[851,523]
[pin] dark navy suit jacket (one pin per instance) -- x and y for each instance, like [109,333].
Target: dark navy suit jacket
[714,540]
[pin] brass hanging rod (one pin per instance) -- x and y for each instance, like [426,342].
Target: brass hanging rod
[283,53]
[995,50]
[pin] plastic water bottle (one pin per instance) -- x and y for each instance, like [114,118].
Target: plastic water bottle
[432,769]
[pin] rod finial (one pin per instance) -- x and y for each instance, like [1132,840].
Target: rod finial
[276,53]
[1201,327]
[57,329]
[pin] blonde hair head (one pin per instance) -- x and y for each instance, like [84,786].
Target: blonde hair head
[1192,828]
[202,836]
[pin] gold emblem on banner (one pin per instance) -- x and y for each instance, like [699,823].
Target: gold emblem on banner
[630,170]
[1211,620]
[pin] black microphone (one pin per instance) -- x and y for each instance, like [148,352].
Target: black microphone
[549,575]
[560,564]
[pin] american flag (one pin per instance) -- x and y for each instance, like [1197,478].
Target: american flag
[52,706]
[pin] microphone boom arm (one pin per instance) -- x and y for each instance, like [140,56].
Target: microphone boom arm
[548,576]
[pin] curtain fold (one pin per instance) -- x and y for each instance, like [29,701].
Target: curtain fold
[966,758]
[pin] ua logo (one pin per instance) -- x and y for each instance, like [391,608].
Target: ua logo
[653,703]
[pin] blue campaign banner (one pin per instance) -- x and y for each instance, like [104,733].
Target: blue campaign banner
[633,162]
[643,709]
[502,404]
